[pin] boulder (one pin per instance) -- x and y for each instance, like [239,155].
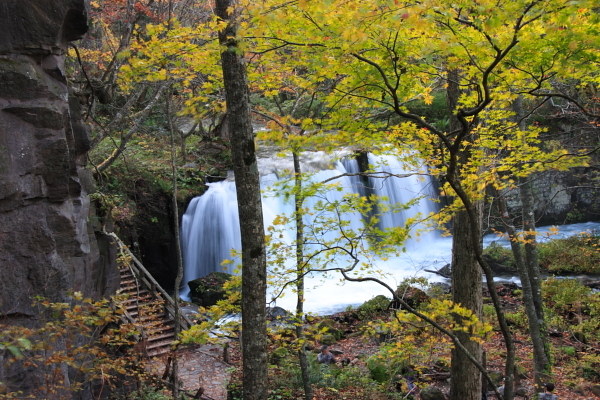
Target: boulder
[279,314]
[206,291]
[446,271]
[328,339]
[432,393]
[329,328]
[413,296]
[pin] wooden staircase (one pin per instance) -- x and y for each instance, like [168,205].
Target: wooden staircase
[147,306]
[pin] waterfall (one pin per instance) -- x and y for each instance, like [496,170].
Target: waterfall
[210,226]
[209,230]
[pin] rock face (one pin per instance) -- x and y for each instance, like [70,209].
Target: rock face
[561,197]
[48,247]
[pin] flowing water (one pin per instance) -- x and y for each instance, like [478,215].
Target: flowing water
[210,228]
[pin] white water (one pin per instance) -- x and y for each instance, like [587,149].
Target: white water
[210,229]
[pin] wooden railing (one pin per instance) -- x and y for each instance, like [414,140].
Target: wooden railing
[146,280]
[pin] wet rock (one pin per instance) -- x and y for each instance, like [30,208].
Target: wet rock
[40,27]
[208,290]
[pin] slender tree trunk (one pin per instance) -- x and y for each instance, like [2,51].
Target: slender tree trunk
[298,201]
[531,252]
[133,130]
[177,248]
[254,282]
[531,269]
[539,355]
[465,383]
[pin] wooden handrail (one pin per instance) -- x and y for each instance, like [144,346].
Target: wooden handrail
[150,282]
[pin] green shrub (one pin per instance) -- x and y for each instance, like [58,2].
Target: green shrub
[569,351]
[384,370]
[518,319]
[589,367]
[370,308]
[499,254]
[576,254]
[569,298]
[489,315]
[565,295]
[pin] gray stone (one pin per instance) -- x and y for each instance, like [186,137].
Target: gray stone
[432,393]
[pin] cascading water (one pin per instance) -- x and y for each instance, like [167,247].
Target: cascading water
[208,232]
[210,227]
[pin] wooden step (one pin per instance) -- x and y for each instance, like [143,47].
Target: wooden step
[142,299]
[158,352]
[170,335]
[156,345]
[128,282]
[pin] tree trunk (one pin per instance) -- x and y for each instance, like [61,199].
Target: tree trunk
[531,268]
[465,383]
[298,201]
[254,282]
[177,247]
[539,355]
[466,291]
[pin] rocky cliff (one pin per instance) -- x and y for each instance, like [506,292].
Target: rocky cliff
[48,247]
[562,197]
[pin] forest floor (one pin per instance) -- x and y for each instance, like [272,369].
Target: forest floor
[565,373]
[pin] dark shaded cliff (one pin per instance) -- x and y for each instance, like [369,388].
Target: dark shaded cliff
[48,247]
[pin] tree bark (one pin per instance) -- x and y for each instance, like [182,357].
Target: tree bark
[466,291]
[300,270]
[254,337]
[537,340]
[466,278]
[531,270]
[179,276]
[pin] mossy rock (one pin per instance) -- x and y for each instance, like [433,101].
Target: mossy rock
[328,325]
[372,307]
[496,377]
[206,291]
[278,354]
[328,339]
